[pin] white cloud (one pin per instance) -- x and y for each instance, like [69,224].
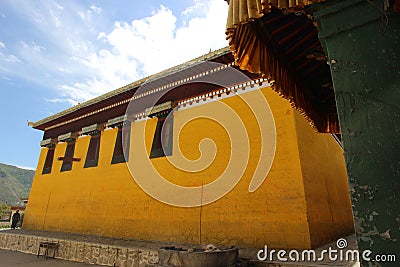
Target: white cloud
[2,45]
[145,46]
[157,43]
[82,60]
[52,14]
[64,70]
[56,19]
[198,5]
[101,36]
[58,6]
[82,15]
[61,100]
[87,14]
[111,71]
[95,9]
[33,47]
[9,58]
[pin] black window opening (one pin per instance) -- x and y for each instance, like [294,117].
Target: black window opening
[92,156]
[162,141]
[68,157]
[122,144]
[48,163]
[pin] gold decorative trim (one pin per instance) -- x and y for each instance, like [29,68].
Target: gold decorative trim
[130,86]
[155,90]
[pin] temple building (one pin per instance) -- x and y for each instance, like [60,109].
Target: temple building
[200,153]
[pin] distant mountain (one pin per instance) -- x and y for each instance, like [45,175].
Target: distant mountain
[15,183]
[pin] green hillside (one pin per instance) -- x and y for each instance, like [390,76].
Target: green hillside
[15,183]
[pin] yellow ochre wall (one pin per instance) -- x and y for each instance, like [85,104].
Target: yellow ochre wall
[327,193]
[299,205]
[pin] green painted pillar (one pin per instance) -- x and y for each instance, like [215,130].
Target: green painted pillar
[362,42]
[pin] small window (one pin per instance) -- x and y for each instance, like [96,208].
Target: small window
[49,161]
[92,156]
[68,157]
[162,136]
[122,144]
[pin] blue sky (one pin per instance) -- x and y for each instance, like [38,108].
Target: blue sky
[54,54]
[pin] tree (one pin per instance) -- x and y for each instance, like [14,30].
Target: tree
[4,211]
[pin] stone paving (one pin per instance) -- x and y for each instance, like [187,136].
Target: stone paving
[126,252]
[83,248]
[10,258]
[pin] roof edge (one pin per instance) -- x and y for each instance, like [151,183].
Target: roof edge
[161,74]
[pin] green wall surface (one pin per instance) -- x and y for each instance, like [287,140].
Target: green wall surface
[362,42]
